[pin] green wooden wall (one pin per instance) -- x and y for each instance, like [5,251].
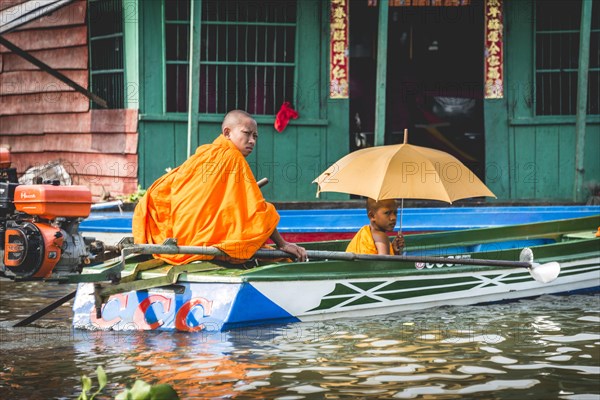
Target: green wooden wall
[529,158]
[532,157]
[291,159]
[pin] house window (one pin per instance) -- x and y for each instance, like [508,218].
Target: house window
[177,39]
[247,55]
[557,57]
[105,19]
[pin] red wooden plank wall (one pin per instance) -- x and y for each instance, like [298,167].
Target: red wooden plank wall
[42,119]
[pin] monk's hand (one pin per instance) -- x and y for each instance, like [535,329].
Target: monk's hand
[295,250]
[398,243]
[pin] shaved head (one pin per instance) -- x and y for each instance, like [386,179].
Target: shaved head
[241,129]
[233,118]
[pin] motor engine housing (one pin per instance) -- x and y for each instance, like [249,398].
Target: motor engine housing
[39,228]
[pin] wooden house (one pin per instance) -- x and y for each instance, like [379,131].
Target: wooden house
[44,119]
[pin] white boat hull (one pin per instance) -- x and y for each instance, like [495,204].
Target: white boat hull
[232,303]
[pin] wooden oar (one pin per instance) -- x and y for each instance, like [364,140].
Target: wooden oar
[540,272]
[45,310]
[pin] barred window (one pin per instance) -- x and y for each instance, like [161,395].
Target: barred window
[177,39]
[106,51]
[557,57]
[247,55]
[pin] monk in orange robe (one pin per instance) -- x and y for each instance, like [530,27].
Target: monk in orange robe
[373,238]
[212,199]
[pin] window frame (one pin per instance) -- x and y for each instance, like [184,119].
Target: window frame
[198,65]
[119,95]
[535,74]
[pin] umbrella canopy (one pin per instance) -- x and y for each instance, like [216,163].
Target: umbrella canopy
[402,171]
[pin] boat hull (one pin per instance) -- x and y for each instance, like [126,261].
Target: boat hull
[321,291]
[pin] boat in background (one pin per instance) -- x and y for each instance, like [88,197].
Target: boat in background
[460,267]
[337,224]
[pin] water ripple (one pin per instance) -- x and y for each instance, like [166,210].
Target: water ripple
[542,349]
[572,338]
[491,386]
[581,368]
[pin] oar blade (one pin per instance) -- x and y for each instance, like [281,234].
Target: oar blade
[545,273]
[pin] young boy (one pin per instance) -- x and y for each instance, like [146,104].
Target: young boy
[373,238]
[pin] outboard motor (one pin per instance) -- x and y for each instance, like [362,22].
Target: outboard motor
[39,227]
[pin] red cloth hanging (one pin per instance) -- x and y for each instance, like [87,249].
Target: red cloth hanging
[285,113]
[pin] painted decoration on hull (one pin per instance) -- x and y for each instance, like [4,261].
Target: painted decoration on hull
[190,310]
[196,307]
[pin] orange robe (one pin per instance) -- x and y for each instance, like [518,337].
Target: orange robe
[212,199]
[363,243]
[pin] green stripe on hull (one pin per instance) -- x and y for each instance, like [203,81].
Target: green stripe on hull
[397,290]
[418,283]
[363,300]
[326,304]
[366,285]
[511,281]
[571,273]
[427,292]
[348,294]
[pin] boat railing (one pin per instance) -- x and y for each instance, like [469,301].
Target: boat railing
[547,232]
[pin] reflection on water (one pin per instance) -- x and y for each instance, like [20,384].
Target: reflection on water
[542,348]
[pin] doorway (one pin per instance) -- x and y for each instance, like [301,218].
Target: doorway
[434,78]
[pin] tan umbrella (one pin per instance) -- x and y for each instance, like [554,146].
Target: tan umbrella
[402,171]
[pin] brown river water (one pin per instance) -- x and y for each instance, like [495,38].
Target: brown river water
[543,348]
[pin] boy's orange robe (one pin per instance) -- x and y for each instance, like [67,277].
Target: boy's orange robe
[212,199]
[363,243]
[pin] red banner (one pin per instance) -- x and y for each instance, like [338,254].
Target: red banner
[423,3]
[494,22]
[338,50]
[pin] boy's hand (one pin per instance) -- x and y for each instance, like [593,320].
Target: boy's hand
[398,243]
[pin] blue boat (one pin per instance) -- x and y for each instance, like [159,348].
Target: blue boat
[332,224]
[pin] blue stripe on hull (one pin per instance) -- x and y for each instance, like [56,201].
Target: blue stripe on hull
[351,220]
[251,307]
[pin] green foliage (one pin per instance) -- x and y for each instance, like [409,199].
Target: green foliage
[102,379]
[135,196]
[139,391]
[86,384]
[143,391]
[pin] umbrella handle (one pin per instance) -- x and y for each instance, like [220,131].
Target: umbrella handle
[401,212]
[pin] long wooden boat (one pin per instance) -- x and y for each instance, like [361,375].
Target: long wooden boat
[438,269]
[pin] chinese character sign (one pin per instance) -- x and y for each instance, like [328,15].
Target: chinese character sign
[423,3]
[338,50]
[494,88]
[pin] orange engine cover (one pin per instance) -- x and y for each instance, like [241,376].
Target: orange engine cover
[49,201]
[32,250]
